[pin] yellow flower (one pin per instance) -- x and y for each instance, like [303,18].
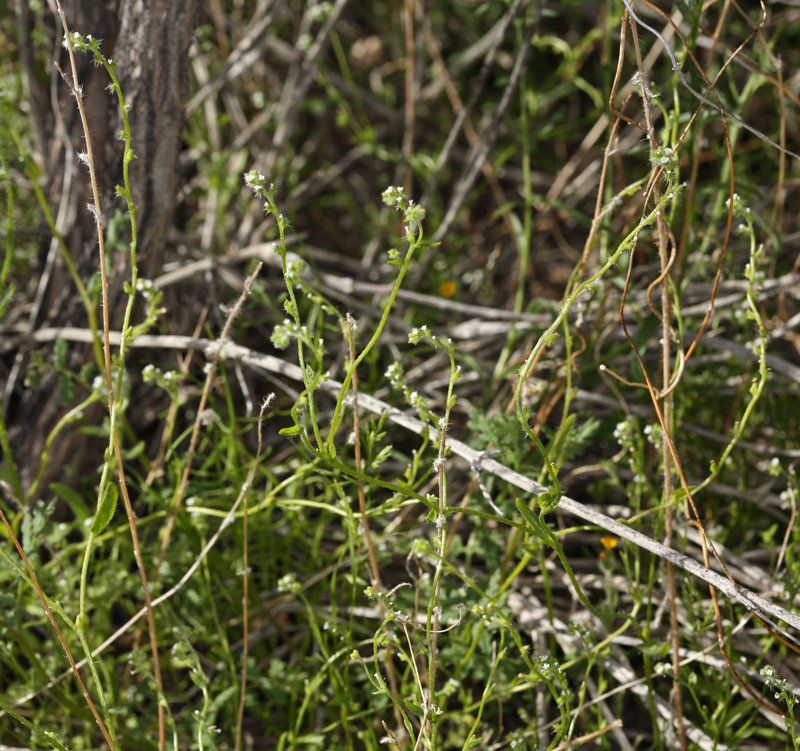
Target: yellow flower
[609,542]
[447,289]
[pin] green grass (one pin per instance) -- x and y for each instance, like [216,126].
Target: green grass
[258,564]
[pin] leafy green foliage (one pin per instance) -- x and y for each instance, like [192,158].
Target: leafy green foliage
[390,593]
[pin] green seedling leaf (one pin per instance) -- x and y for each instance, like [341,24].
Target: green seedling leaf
[549,501]
[415,708]
[294,430]
[106,509]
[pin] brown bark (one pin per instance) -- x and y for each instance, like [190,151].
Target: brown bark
[150,42]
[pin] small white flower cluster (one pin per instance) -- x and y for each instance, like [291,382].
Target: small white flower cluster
[484,612]
[395,374]
[77,42]
[289,584]
[624,432]
[665,157]
[418,401]
[417,334]
[257,183]
[654,435]
[773,680]
[739,208]
[395,197]
[152,373]
[320,11]
[146,287]
[579,629]
[547,666]
[284,332]
[663,668]
[304,42]
[420,547]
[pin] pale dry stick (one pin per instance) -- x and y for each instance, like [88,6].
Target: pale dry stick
[612,139]
[294,90]
[477,90]
[692,183]
[746,62]
[423,702]
[157,601]
[458,107]
[789,529]
[706,542]
[478,155]
[589,736]
[210,208]
[50,617]
[676,67]
[633,684]
[569,169]
[233,66]
[186,361]
[258,361]
[407,148]
[362,505]
[666,376]
[780,197]
[200,409]
[342,284]
[246,574]
[170,341]
[77,92]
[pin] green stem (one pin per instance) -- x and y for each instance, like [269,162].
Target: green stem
[88,303]
[523,413]
[60,425]
[337,412]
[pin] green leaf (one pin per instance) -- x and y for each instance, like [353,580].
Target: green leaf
[294,430]
[73,499]
[106,509]
[655,648]
[60,352]
[549,501]
[536,526]
[415,708]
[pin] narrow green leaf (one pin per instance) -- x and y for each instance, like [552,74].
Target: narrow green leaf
[73,499]
[536,526]
[106,509]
